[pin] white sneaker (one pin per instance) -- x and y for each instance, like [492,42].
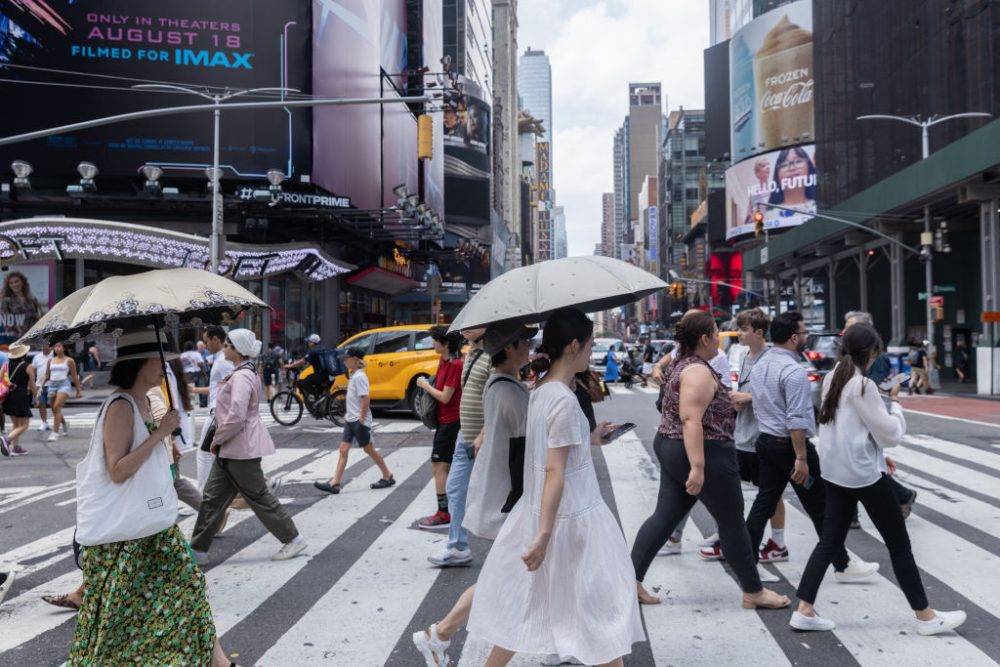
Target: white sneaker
[432,647]
[53,437]
[766,577]
[9,581]
[857,570]
[710,540]
[274,485]
[671,548]
[44,426]
[452,558]
[290,550]
[811,623]
[943,621]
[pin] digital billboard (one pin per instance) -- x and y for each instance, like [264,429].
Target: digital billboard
[248,44]
[785,178]
[771,81]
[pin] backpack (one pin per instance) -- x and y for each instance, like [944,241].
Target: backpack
[427,407]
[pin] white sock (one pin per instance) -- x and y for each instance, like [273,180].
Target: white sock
[778,535]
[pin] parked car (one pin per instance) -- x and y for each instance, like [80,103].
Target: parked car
[822,349]
[600,351]
[395,357]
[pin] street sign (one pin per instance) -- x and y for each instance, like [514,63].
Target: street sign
[991,316]
[945,288]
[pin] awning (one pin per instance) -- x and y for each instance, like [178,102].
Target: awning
[47,237]
[378,279]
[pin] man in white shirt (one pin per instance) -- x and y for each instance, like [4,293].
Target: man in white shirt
[213,337]
[38,365]
[358,425]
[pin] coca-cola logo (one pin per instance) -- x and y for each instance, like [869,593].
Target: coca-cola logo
[794,95]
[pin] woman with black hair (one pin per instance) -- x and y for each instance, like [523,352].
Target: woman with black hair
[694,445]
[794,181]
[447,391]
[558,579]
[854,469]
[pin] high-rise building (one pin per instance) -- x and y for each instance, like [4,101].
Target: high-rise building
[559,241]
[645,122]
[607,224]
[682,168]
[620,159]
[534,86]
[530,135]
[506,164]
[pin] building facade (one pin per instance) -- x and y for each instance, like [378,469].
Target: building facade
[621,181]
[506,164]
[645,123]
[607,243]
[560,243]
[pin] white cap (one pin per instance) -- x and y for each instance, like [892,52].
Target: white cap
[313,338]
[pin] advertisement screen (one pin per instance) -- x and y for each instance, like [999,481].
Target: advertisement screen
[27,294]
[771,81]
[785,178]
[247,44]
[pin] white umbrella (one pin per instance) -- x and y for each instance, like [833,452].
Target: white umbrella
[530,293]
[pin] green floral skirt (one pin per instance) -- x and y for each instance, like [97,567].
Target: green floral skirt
[144,603]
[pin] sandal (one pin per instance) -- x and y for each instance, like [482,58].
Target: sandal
[769,600]
[384,483]
[61,601]
[329,488]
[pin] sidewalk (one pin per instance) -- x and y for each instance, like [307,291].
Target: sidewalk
[942,404]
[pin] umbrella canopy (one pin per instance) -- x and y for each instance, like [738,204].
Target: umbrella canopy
[125,303]
[531,293]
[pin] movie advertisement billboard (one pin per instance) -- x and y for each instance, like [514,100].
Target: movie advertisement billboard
[771,81]
[249,44]
[785,178]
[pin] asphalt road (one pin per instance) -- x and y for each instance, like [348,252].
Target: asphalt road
[364,584]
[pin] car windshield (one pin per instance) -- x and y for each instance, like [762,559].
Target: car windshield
[601,346]
[825,344]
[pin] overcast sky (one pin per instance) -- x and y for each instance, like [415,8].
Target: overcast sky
[596,47]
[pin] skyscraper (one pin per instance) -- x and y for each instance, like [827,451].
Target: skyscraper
[607,224]
[645,122]
[620,159]
[534,85]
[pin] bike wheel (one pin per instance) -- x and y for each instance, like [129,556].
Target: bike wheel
[337,407]
[286,408]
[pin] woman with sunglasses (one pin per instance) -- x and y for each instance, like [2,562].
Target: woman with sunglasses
[239,442]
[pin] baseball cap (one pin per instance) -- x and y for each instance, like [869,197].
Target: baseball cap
[499,336]
[355,352]
[313,338]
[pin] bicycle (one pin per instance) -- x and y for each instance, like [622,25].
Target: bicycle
[327,403]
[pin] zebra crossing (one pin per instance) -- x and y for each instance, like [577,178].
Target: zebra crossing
[356,595]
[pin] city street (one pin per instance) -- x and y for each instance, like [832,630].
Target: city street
[364,585]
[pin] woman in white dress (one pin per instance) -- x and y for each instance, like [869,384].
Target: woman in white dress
[558,579]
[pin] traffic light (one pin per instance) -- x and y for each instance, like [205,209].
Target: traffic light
[425,137]
[758,223]
[676,290]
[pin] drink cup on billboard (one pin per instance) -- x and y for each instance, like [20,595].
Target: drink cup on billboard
[783,71]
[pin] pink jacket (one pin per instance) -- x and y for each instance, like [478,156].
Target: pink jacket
[240,433]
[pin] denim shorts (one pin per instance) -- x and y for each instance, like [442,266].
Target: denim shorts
[356,432]
[53,388]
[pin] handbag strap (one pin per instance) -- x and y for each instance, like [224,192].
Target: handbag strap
[478,353]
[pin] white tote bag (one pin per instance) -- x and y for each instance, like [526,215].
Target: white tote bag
[142,505]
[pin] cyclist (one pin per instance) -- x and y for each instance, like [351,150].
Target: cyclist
[320,380]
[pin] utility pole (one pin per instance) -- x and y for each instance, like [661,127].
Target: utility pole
[927,237]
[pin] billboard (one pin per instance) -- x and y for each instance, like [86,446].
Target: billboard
[249,44]
[785,178]
[27,293]
[771,81]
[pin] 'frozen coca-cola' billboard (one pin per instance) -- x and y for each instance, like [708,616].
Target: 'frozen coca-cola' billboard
[771,81]
[780,184]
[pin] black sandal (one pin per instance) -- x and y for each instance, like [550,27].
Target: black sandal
[329,488]
[384,483]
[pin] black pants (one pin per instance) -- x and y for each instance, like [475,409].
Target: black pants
[880,502]
[776,458]
[722,496]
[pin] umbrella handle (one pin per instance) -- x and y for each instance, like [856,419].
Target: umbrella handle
[163,365]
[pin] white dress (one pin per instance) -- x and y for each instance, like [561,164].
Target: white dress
[582,600]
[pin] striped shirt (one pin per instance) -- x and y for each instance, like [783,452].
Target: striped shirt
[475,371]
[782,400]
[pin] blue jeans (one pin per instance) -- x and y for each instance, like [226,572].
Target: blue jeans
[457,488]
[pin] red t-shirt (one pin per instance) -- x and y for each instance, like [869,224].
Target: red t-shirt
[449,374]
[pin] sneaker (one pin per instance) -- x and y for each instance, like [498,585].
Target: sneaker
[437,520]
[943,621]
[53,436]
[326,486]
[290,550]
[765,576]
[65,427]
[811,623]
[18,450]
[44,426]
[772,553]
[907,507]
[384,483]
[4,445]
[432,647]
[8,581]
[709,541]
[671,548]
[274,485]
[452,558]
[856,570]
[712,552]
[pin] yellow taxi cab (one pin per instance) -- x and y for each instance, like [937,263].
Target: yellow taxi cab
[395,357]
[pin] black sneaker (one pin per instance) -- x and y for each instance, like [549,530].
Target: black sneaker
[4,446]
[384,483]
[329,488]
[907,507]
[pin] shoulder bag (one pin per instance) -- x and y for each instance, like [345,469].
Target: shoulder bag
[427,407]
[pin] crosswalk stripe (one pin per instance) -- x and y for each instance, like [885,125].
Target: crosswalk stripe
[957,506]
[983,457]
[972,480]
[649,390]
[25,493]
[620,391]
[320,525]
[685,581]
[869,615]
[354,604]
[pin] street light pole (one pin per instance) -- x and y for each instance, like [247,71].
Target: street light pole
[927,238]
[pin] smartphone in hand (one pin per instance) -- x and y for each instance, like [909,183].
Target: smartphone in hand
[619,431]
[898,378]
